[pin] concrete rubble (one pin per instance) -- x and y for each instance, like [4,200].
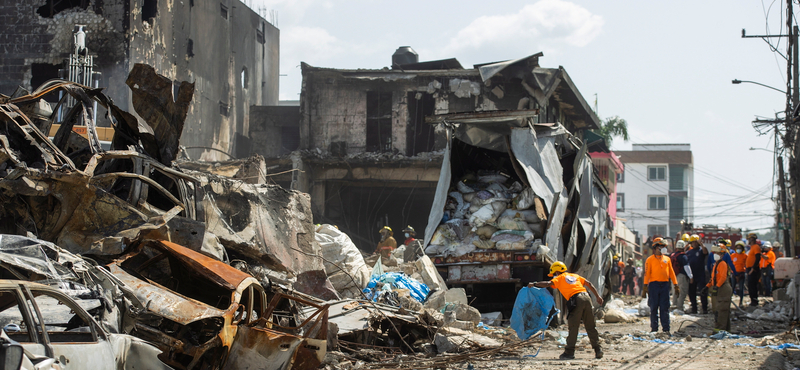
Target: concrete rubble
[201,259]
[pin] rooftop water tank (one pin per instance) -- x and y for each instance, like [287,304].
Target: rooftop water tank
[404,55]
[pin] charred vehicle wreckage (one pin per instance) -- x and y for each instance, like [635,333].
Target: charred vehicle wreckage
[122,230]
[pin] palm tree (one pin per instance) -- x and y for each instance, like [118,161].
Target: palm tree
[613,127]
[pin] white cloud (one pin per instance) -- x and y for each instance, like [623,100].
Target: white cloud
[545,25]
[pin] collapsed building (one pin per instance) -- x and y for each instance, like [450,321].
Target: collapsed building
[385,147]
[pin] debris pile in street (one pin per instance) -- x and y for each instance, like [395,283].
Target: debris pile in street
[208,263]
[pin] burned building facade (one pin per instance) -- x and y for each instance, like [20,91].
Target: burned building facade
[366,154]
[226,49]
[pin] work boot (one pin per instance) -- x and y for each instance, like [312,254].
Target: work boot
[598,353]
[566,356]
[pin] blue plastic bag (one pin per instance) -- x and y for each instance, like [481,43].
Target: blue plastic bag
[531,310]
[419,291]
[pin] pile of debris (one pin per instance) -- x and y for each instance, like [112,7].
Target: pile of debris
[208,263]
[484,213]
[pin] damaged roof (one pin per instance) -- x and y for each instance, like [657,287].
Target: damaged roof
[546,82]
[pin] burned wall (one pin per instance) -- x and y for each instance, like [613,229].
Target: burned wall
[27,37]
[228,50]
[274,129]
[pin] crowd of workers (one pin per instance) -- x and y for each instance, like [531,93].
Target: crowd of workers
[696,271]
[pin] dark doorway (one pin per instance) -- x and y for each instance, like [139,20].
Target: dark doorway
[360,211]
[419,134]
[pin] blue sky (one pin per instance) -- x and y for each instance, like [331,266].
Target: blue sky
[664,66]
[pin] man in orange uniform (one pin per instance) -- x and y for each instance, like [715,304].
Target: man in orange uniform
[721,291]
[752,266]
[739,258]
[767,267]
[658,273]
[579,306]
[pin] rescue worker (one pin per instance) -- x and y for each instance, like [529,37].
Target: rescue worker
[658,273]
[680,264]
[621,266]
[387,244]
[725,244]
[767,267]
[753,268]
[628,274]
[686,238]
[579,306]
[413,245]
[776,248]
[616,272]
[739,258]
[697,261]
[721,291]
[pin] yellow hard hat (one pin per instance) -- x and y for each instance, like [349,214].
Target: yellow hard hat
[557,266]
[685,237]
[694,238]
[728,242]
[386,228]
[616,256]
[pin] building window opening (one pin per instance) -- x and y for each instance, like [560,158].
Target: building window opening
[656,173]
[223,10]
[620,202]
[656,202]
[190,48]
[244,78]
[656,230]
[149,10]
[41,73]
[379,121]
[224,109]
[53,7]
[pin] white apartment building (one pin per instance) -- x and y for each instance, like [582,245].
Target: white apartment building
[656,189]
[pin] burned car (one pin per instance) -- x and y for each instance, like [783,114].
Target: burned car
[205,314]
[52,327]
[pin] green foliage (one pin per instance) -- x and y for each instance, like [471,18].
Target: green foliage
[613,127]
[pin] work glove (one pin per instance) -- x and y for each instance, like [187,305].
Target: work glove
[704,291]
[714,291]
[644,291]
[677,289]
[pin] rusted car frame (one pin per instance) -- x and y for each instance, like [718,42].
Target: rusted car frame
[204,313]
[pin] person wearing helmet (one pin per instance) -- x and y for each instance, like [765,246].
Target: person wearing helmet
[776,248]
[616,270]
[387,244]
[753,268]
[739,258]
[628,273]
[697,255]
[658,273]
[767,267]
[680,264]
[579,306]
[414,248]
[720,290]
[686,238]
[725,244]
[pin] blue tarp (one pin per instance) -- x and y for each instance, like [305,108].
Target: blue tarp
[419,291]
[531,310]
[659,341]
[778,347]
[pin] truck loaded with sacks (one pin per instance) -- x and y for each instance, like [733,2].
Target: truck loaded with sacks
[513,196]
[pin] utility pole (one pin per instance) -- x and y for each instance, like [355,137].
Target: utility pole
[788,197]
